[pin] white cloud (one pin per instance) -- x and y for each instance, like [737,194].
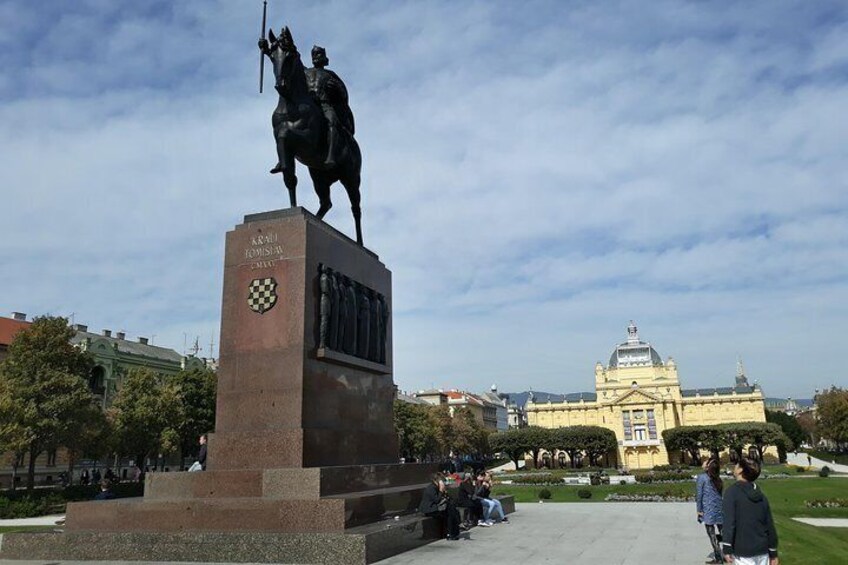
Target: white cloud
[535,176]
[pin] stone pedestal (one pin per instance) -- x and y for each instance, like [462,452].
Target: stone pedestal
[281,401]
[304,454]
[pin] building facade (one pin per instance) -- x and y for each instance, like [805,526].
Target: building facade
[638,396]
[489,408]
[113,357]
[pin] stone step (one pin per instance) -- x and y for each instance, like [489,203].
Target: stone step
[283,483]
[207,515]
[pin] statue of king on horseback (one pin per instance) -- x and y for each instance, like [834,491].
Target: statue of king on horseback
[313,124]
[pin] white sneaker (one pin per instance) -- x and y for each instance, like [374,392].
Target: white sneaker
[491,522]
[484,524]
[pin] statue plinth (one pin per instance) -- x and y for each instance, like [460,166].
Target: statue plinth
[282,400]
[303,464]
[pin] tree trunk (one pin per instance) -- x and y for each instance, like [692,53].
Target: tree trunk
[31,470]
[515,460]
[14,472]
[71,460]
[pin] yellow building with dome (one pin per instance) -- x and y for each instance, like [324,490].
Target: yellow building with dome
[637,396]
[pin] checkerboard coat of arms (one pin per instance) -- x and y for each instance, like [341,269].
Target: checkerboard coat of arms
[262,295]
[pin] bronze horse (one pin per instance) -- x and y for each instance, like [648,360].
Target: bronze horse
[301,132]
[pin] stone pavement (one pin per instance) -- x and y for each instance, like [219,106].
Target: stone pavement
[801,460]
[615,533]
[824,522]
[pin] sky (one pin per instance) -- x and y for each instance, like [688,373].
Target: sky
[535,176]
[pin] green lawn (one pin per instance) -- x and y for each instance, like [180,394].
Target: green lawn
[840,458]
[799,543]
[27,529]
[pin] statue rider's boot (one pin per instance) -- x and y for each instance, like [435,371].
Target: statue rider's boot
[278,168]
[332,149]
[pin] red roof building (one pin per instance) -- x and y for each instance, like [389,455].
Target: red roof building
[9,328]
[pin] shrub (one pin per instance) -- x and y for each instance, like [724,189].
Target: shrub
[800,469]
[675,467]
[622,482]
[769,459]
[595,480]
[544,494]
[30,507]
[584,493]
[663,476]
[827,503]
[824,472]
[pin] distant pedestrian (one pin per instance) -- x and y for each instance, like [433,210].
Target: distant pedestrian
[95,477]
[85,478]
[809,461]
[708,501]
[105,491]
[749,536]
[200,462]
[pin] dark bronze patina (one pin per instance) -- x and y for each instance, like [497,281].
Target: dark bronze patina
[352,317]
[313,124]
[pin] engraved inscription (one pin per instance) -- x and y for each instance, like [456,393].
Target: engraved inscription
[263,250]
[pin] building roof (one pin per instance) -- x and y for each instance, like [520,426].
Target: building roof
[634,352]
[9,328]
[469,398]
[131,347]
[410,399]
[721,391]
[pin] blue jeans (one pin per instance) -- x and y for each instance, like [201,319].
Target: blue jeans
[491,505]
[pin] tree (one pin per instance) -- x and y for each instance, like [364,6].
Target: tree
[414,427]
[43,382]
[513,443]
[761,435]
[807,421]
[570,442]
[791,427]
[537,437]
[197,391]
[833,415]
[469,437]
[147,414]
[597,441]
[92,439]
[711,438]
[443,430]
[686,439]
[13,437]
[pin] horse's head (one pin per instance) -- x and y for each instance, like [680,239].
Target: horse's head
[286,60]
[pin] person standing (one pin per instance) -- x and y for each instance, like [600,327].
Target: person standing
[708,500]
[749,536]
[201,454]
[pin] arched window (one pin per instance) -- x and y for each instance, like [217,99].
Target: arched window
[97,380]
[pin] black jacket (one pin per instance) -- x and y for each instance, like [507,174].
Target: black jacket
[430,499]
[748,526]
[201,456]
[466,492]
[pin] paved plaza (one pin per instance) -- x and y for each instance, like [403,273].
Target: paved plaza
[580,533]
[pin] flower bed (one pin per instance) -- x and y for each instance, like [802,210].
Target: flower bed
[658,497]
[663,477]
[827,503]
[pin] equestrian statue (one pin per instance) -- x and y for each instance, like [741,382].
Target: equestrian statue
[313,124]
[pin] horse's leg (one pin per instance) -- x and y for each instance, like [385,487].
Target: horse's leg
[351,185]
[322,189]
[290,180]
[289,177]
